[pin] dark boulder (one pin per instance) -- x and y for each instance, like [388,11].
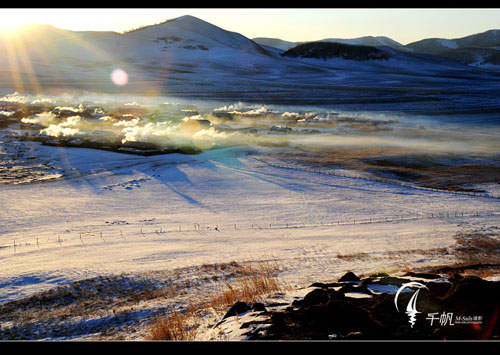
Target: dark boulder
[237,308]
[316,297]
[325,313]
[473,293]
[350,276]
[258,307]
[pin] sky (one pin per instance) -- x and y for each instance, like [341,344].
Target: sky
[404,25]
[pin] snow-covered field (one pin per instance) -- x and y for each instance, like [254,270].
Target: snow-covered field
[117,214]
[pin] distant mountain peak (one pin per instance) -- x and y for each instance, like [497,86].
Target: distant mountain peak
[189,18]
[187,22]
[192,32]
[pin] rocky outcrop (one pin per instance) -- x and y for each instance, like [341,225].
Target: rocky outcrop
[377,308]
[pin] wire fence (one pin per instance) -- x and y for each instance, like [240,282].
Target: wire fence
[351,175]
[134,233]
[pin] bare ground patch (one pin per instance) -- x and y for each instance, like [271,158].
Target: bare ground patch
[453,172]
[477,253]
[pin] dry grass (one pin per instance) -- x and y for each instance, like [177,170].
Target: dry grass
[251,284]
[477,254]
[254,282]
[177,326]
[355,256]
[478,247]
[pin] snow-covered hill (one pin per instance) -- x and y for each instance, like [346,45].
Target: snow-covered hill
[180,45]
[194,59]
[436,45]
[477,50]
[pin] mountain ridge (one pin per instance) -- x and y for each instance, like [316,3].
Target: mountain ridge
[193,59]
[452,49]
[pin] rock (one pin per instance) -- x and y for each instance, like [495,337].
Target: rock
[350,276]
[438,289]
[455,277]
[237,308]
[325,313]
[423,275]
[474,293]
[348,288]
[391,280]
[315,297]
[258,307]
[318,297]
[336,295]
[347,315]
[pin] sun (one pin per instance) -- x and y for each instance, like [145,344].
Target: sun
[7,26]
[14,19]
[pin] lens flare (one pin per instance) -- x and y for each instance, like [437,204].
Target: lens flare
[119,77]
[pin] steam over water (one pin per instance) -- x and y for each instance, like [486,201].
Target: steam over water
[207,125]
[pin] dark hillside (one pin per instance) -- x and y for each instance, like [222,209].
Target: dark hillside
[326,50]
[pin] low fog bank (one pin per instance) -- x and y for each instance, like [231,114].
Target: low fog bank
[162,123]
